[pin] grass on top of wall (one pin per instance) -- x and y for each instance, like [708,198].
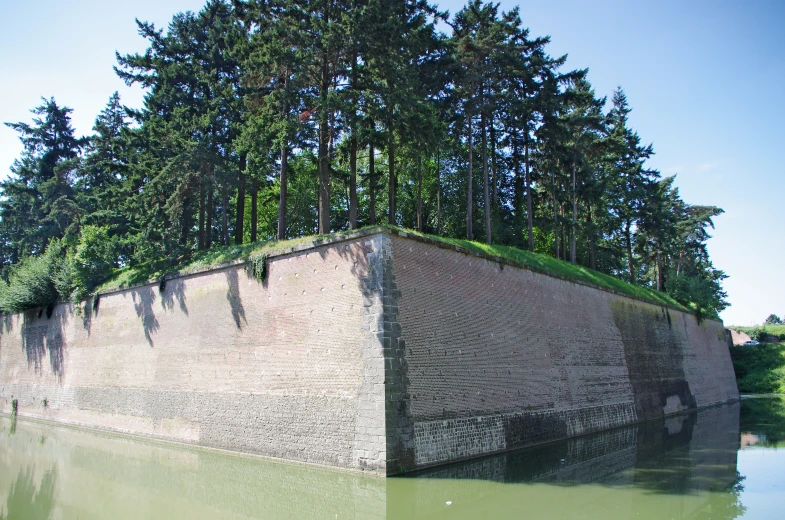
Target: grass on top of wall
[214,256]
[535,261]
[550,265]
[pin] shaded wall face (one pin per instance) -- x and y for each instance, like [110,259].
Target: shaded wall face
[498,357]
[218,359]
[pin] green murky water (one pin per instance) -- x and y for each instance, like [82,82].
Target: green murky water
[722,463]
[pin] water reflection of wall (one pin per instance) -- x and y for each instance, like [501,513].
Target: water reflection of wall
[665,469]
[101,476]
[680,459]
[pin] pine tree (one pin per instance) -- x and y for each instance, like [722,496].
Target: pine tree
[631,174]
[195,107]
[38,197]
[104,185]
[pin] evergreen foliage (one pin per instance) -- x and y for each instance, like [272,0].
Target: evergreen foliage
[276,119]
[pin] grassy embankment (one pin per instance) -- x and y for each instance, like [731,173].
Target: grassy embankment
[535,261]
[755,332]
[760,369]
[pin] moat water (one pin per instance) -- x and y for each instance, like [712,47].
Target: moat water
[722,463]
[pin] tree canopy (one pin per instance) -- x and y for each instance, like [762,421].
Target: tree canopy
[273,119]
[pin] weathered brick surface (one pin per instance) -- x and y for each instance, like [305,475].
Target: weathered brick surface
[499,357]
[373,352]
[290,368]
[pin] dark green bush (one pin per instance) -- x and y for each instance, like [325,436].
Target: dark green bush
[60,273]
[36,281]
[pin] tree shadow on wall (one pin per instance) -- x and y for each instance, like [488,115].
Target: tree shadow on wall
[26,502]
[144,298]
[233,296]
[8,323]
[43,335]
[174,290]
[91,306]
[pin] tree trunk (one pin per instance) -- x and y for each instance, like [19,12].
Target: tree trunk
[574,211]
[561,230]
[371,186]
[555,215]
[517,191]
[282,199]
[678,265]
[353,153]
[628,238]
[208,232]
[284,179]
[419,194]
[486,190]
[494,178]
[240,217]
[590,231]
[393,180]
[324,178]
[529,211]
[202,195]
[353,182]
[438,194]
[470,181]
[660,276]
[324,140]
[254,209]
[225,216]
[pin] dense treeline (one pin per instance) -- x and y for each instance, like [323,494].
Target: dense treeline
[272,119]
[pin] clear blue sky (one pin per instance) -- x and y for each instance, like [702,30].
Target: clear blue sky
[705,80]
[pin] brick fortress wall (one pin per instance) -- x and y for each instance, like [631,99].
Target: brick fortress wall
[288,368]
[496,357]
[372,351]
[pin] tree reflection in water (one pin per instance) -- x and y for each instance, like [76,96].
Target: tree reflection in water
[25,502]
[763,421]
